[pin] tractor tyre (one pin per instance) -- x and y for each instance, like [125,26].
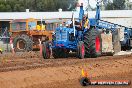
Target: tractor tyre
[80,50]
[92,42]
[22,43]
[46,52]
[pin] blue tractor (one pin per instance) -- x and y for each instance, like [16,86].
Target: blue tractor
[76,39]
[85,42]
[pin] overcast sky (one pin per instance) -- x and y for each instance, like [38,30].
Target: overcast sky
[85,3]
[91,2]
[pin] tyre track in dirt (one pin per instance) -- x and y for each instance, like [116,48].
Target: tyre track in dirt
[32,60]
[65,73]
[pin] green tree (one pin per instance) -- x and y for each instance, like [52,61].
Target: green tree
[8,8]
[2,8]
[119,4]
[17,7]
[116,5]
[36,5]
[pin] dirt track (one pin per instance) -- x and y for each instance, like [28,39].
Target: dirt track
[29,70]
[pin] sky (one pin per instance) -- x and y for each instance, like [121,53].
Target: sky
[91,2]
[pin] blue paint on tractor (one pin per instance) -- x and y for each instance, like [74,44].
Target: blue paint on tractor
[64,36]
[63,39]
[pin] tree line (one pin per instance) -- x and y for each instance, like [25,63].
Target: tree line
[36,5]
[54,5]
[118,5]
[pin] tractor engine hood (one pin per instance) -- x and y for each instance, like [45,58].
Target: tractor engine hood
[62,33]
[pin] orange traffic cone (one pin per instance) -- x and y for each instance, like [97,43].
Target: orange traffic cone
[84,73]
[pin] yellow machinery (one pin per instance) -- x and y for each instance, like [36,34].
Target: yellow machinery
[26,33]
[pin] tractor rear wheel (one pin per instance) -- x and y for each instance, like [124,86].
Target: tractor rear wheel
[80,50]
[92,42]
[22,43]
[46,52]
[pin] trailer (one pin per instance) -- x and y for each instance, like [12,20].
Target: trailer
[102,38]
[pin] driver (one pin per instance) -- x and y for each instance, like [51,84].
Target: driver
[85,22]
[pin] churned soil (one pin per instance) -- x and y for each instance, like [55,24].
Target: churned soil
[30,70]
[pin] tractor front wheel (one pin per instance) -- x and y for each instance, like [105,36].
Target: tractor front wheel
[46,52]
[80,50]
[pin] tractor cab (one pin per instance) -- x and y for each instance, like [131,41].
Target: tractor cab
[23,25]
